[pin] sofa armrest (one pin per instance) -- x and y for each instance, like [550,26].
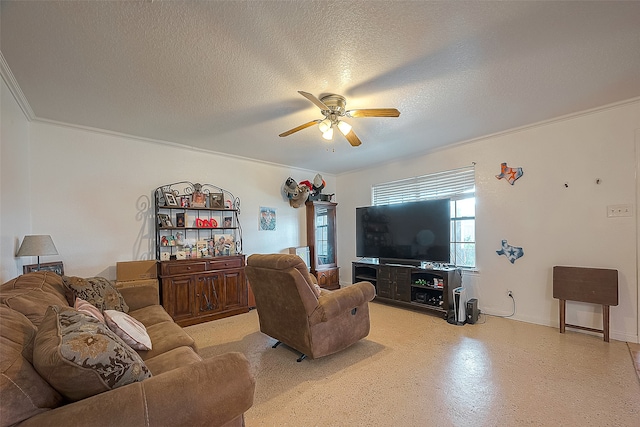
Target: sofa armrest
[208,393]
[331,304]
[138,297]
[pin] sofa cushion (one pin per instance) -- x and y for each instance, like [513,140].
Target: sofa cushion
[166,336]
[87,308]
[97,291]
[80,356]
[23,391]
[32,293]
[128,329]
[151,315]
[172,359]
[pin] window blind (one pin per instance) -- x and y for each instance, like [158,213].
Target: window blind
[456,183]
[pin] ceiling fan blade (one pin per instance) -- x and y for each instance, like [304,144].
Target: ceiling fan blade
[296,129]
[374,112]
[353,138]
[313,99]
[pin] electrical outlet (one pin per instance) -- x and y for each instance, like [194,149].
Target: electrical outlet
[616,211]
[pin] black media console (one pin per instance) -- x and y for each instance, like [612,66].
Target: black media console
[411,286]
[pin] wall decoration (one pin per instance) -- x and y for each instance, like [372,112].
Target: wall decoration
[510,174]
[267,220]
[511,252]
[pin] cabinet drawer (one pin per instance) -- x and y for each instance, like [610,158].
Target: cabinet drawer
[223,264]
[183,268]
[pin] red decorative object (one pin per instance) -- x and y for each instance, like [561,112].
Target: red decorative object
[206,223]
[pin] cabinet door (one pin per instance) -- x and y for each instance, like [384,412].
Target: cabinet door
[328,279]
[402,281]
[321,234]
[178,297]
[209,293]
[384,283]
[234,289]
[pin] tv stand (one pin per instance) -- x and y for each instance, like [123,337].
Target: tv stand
[429,289]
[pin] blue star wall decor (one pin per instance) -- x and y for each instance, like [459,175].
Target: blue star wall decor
[511,252]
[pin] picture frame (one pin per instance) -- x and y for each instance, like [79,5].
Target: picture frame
[267,219]
[165,221]
[180,220]
[170,199]
[224,245]
[198,199]
[55,267]
[216,200]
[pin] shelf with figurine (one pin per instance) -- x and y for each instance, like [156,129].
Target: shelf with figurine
[192,220]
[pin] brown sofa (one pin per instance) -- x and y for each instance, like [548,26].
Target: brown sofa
[182,390]
[294,311]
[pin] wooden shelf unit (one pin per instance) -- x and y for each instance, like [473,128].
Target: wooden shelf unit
[411,286]
[207,283]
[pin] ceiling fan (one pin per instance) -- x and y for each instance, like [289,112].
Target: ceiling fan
[333,108]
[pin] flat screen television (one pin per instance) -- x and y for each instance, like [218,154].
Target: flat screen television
[417,231]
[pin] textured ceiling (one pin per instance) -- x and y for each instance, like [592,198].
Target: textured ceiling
[224,76]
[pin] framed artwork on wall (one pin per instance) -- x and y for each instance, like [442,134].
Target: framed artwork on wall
[267,219]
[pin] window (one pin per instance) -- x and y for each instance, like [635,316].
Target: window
[459,186]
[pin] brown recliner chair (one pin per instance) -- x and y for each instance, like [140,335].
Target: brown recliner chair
[294,311]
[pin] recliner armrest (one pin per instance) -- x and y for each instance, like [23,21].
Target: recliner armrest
[208,393]
[331,304]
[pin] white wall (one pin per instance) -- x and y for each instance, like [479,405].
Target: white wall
[14,184]
[555,225]
[93,193]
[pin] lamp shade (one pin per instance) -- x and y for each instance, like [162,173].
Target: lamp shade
[344,127]
[37,245]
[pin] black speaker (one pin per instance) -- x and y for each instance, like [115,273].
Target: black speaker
[472,311]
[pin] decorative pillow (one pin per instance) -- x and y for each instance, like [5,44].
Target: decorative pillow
[97,291]
[84,307]
[81,357]
[129,329]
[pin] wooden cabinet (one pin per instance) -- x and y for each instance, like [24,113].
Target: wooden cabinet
[199,246]
[195,291]
[422,288]
[321,239]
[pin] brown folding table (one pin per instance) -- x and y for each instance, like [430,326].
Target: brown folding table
[592,285]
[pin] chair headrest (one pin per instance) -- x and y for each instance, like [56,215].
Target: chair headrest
[276,261]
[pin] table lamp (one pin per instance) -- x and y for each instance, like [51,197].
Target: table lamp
[38,245]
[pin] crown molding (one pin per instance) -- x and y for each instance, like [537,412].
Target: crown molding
[14,88]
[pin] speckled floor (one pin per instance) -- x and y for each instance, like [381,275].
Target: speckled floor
[414,369]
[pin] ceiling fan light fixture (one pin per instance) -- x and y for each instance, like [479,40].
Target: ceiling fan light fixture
[344,127]
[328,134]
[324,125]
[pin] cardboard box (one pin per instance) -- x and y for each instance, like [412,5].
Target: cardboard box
[136,270]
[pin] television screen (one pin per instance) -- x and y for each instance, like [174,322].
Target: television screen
[405,231]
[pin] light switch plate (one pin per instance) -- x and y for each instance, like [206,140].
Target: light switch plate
[616,211]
